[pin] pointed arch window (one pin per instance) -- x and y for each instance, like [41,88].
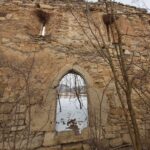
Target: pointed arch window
[72,103]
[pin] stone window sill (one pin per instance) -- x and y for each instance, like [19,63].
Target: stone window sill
[65,137]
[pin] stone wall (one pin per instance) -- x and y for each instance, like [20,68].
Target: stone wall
[31,67]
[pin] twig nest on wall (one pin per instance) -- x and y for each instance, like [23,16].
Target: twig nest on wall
[42,16]
[108,19]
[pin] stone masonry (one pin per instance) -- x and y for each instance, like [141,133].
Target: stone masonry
[31,67]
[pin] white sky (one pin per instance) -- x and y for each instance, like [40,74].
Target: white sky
[137,3]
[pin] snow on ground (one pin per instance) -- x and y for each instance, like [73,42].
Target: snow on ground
[70,110]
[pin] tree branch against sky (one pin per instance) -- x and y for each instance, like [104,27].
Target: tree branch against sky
[138,3]
[123,68]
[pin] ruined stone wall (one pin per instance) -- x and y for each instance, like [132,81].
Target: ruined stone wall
[31,67]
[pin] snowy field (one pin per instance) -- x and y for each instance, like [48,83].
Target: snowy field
[68,108]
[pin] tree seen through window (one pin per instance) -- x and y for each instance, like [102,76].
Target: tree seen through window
[72,112]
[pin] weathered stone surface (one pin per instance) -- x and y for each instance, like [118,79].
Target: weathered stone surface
[21,108]
[36,141]
[50,148]
[110,135]
[8,16]
[5,40]
[68,137]
[6,108]
[33,143]
[116,142]
[72,147]
[2,18]
[17,128]
[32,66]
[126,139]
[49,139]
[22,36]
[86,147]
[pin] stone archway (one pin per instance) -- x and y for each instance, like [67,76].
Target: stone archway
[75,68]
[72,103]
[80,71]
[43,119]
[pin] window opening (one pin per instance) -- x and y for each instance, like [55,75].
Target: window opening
[72,104]
[43,30]
[43,18]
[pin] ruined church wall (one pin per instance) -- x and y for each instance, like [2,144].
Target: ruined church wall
[30,70]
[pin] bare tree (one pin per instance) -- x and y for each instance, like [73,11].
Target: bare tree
[130,73]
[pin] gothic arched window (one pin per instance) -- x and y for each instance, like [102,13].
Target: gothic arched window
[72,103]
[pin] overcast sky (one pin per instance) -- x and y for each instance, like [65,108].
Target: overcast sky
[138,3]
